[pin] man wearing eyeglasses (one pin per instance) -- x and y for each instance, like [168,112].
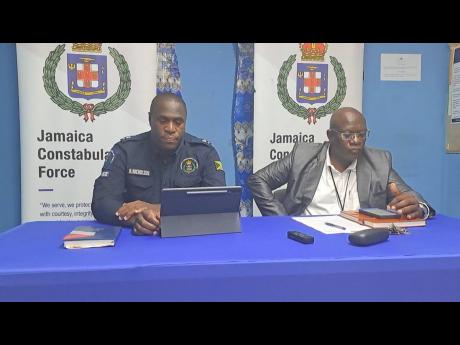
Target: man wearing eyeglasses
[337,175]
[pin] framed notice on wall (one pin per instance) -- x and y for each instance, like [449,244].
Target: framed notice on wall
[453,109]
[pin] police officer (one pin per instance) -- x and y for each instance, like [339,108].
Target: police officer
[136,169]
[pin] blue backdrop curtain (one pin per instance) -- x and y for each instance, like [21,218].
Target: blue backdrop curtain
[168,76]
[168,80]
[243,122]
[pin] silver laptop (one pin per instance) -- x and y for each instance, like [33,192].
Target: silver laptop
[200,211]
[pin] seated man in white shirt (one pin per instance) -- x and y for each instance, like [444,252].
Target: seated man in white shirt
[337,175]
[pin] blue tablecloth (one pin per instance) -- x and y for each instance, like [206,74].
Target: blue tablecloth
[258,264]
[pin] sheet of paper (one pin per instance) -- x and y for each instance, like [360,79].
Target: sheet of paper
[401,67]
[319,223]
[455,88]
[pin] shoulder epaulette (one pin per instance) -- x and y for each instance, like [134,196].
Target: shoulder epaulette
[195,140]
[201,141]
[134,137]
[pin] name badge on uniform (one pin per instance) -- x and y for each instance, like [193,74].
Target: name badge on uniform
[139,172]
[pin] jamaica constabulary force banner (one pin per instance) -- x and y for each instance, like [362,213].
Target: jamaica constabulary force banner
[76,100]
[297,88]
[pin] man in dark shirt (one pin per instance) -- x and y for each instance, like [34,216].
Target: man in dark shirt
[136,169]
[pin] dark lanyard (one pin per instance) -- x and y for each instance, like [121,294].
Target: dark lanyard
[342,206]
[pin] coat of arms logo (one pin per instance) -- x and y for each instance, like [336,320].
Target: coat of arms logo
[312,83]
[189,165]
[87,79]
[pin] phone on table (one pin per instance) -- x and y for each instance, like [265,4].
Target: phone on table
[379,213]
[300,237]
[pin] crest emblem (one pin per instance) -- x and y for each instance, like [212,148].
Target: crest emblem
[189,165]
[87,78]
[312,83]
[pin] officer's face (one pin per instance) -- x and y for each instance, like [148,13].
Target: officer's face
[168,124]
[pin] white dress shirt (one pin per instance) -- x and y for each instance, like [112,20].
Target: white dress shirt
[325,199]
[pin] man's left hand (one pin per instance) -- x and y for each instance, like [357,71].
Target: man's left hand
[129,209]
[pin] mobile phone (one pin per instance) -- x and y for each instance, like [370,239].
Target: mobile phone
[300,237]
[379,213]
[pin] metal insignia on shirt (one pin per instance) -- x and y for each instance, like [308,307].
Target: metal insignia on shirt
[189,165]
[139,172]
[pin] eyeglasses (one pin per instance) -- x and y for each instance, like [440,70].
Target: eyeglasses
[348,135]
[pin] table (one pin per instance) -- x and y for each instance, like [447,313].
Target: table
[258,264]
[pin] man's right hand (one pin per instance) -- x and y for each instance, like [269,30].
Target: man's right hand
[129,209]
[142,216]
[147,221]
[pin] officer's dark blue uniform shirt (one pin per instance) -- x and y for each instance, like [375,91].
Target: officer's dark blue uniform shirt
[133,170]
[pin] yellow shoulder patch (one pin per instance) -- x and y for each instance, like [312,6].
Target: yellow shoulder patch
[218,165]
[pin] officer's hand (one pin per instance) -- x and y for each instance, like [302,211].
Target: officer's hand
[405,203]
[147,222]
[129,209]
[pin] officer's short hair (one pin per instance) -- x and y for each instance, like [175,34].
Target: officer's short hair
[165,96]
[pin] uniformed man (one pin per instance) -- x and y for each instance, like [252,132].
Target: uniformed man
[128,190]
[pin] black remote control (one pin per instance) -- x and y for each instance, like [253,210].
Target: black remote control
[300,237]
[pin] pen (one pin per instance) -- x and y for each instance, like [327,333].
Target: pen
[336,226]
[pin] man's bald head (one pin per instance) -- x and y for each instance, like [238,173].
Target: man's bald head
[347,136]
[346,116]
